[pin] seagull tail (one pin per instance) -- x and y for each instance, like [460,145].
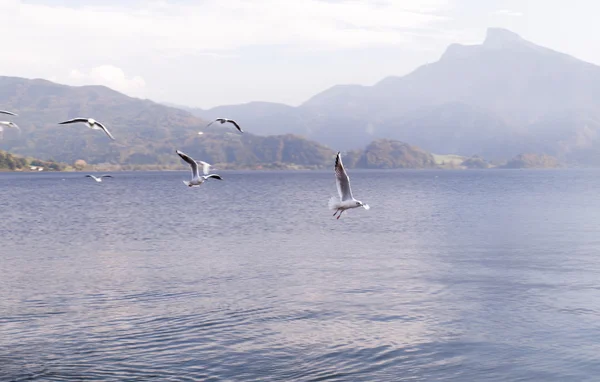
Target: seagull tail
[333,203]
[186,183]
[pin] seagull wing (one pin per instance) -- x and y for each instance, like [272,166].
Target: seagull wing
[342,180]
[106,176]
[191,162]
[8,112]
[91,176]
[215,176]
[235,124]
[74,120]
[211,123]
[105,130]
[205,167]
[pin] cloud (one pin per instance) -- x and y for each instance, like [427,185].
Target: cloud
[110,76]
[507,12]
[216,25]
[172,39]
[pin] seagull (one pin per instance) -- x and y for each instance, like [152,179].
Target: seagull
[346,200]
[225,120]
[9,124]
[99,178]
[8,112]
[197,180]
[91,123]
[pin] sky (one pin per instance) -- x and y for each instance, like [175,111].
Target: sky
[206,53]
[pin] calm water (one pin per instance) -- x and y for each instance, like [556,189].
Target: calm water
[451,276]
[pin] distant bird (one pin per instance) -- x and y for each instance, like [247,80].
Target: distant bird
[9,124]
[91,123]
[225,120]
[8,112]
[197,180]
[99,178]
[200,132]
[346,200]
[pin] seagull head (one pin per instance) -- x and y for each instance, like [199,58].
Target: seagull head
[361,204]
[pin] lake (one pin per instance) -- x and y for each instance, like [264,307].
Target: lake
[450,276]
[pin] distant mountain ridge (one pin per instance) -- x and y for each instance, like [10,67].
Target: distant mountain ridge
[147,133]
[501,98]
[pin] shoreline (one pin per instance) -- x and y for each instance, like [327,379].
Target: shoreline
[298,169]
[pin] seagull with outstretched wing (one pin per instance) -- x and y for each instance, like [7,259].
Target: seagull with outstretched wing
[197,179]
[346,201]
[98,178]
[227,120]
[91,123]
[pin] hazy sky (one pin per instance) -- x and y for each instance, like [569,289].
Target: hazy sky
[205,53]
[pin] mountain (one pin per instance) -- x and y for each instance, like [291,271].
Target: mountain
[498,99]
[147,133]
[388,154]
[532,161]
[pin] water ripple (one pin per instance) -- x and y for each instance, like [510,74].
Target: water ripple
[423,287]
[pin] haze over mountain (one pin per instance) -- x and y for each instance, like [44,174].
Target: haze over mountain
[504,97]
[496,100]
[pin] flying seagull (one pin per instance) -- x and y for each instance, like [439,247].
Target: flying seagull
[8,112]
[91,123]
[346,200]
[9,124]
[99,178]
[196,178]
[225,120]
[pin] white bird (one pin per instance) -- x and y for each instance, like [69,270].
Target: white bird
[8,112]
[91,123]
[197,180]
[99,178]
[225,120]
[346,200]
[9,124]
